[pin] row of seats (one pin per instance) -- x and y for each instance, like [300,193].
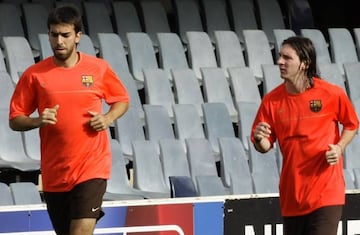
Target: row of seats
[148,16]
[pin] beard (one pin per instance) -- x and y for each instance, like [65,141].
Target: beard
[64,55]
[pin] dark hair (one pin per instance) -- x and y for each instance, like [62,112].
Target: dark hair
[306,51]
[66,14]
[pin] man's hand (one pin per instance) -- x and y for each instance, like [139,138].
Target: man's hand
[49,116]
[98,121]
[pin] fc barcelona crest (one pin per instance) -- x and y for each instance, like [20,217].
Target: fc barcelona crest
[315,105]
[87,80]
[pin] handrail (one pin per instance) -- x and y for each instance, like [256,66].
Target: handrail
[123,230]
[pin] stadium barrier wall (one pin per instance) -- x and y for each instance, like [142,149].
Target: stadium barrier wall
[230,215]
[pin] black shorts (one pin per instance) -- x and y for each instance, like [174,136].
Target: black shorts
[83,201]
[322,221]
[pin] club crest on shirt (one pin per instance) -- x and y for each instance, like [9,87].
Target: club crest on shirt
[87,80]
[315,105]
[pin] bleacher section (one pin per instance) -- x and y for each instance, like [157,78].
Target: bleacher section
[196,78]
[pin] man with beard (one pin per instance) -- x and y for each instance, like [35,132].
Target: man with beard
[67,90]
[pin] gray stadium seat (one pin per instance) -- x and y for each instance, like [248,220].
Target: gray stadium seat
[257,51]
[352,71]
[12,153]
[351,155]
[5,195]
[235,170]
[25,193]
[215,16]
[320,44]
[200,52]
[35,18]
[182,186]
[126,19]
[128,128]
[188,17]
[349,181]
[356,172]
[6,90]
[118,185]
[97,20]
[247,111]
[242,13]
[210,185]
[155,19]
[158,89]
[217,123]
[44,46]
[201,158]
[12,14]
[332,73]
[187,89]
[148,174]
[243,85]
[158,124]
[18,56]
[187,122]
[171,53]
[279,36]
[271,17]
[342,47]
[229,52]
[272,79]
[141,55]
[217,90]
[173,159]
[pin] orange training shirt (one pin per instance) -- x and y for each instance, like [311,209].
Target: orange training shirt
[304,124]
[71,151]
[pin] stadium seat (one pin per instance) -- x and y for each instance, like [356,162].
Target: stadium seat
[215,16]
[201,158]
[97,20]
[187,17]
[111,48]
[158,89]
[141,56]
[118,185]
[18,56]
[155,19]
[229,52]
[272,79]
[351,155]
[173,159]
[257,51]
[187,89]
[242,14]
[349,181]
[148,174]
[279,36]
[352,71]
[31,142]
[6,90]
[217,90]
[217,123]
[12,153]
[158,124]
[356,172]
[235,170]
[182,186]
[126,19]
[187,122]
[128,128]
[5,195]
[12,14]
[342,47]
[200,52]
[171,53]
[271,17]
[44,46]
[210,185]
[35,19]
[247,111]
[332,73]
[243,85]
[320,44]
[25,193]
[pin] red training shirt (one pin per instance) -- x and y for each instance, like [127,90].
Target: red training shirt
[71,151]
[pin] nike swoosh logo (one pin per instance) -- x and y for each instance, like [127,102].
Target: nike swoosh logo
[95,209]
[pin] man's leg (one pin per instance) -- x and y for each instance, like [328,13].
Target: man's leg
[325,220]
[82,226]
